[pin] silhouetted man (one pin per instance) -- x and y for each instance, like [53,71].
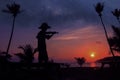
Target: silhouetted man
[42,36]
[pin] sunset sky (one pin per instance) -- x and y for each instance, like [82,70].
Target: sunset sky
[79,27]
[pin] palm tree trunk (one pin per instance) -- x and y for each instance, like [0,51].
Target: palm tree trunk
[11,35]
[106,36]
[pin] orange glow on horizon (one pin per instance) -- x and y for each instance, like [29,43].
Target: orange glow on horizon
[67,50]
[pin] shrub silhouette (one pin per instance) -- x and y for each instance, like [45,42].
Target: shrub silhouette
[80,61]
[28,53]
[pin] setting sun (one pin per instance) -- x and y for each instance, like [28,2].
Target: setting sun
[92,55]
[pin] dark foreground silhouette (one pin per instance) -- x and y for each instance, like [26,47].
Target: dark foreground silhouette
[54,73]
[42,36]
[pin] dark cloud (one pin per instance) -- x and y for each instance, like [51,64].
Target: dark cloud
[57,11]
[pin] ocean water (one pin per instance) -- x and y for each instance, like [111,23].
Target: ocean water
[88,64]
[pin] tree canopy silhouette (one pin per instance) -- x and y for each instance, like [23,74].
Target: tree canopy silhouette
[80,61]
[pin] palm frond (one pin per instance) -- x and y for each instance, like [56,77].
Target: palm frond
[13,9]
[116,31]
[99,8]
[116,13]
[115,40]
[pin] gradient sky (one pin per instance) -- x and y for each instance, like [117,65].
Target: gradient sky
[79,27]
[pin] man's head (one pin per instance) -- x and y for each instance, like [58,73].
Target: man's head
[44,26]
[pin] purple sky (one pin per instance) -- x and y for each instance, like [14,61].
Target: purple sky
[75,20]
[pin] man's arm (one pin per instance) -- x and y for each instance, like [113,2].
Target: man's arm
[50,34]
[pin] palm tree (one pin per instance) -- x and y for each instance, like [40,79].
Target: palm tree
[99,8]
[115,40]
[28,53]
[116,13]
[13,9]
[80,61]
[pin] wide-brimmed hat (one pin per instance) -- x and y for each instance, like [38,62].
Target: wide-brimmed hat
[44,26]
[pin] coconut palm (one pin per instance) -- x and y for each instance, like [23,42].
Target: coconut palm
[80,61]
[28,53]
[13,9]
[115,40]
[99,8]
[116,13]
